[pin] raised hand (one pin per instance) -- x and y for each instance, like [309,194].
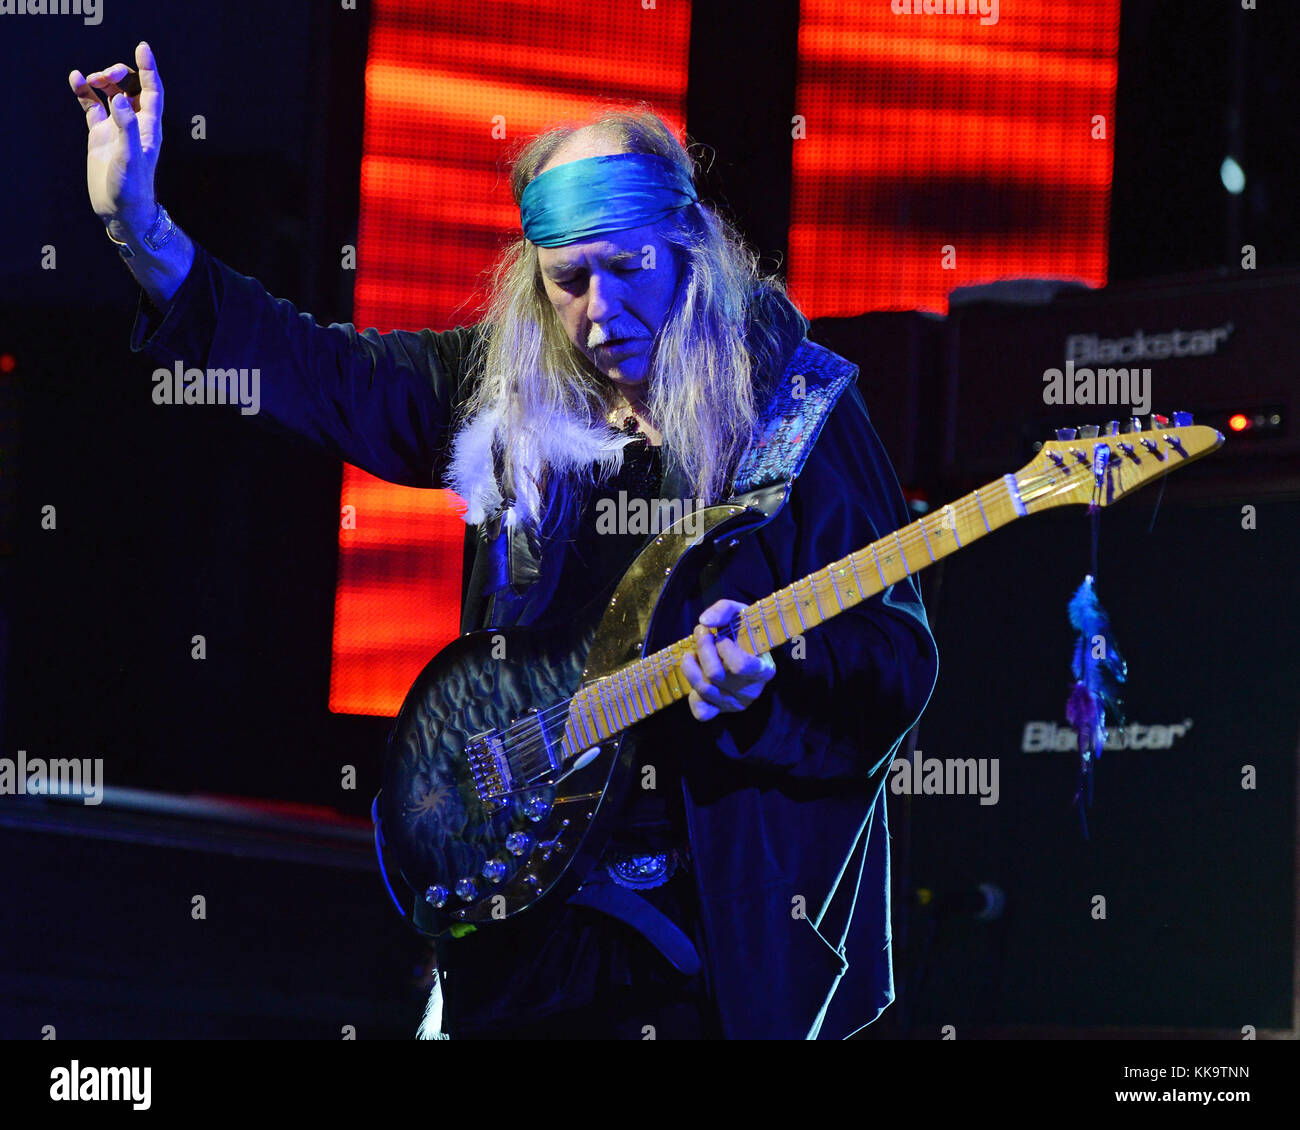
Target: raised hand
[123,143]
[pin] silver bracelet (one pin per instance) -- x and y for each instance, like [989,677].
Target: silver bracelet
[162,229]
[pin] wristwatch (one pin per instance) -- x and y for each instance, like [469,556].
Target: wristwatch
[163,228]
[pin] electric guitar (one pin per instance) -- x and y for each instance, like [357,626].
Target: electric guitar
[506,769]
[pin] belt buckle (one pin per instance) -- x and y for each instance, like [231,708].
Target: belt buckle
[640,872]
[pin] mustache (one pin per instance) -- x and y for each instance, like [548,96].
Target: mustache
[601,335]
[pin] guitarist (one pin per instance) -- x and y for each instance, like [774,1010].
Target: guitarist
[629,347]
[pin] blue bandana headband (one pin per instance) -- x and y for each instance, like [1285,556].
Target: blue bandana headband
[583,199]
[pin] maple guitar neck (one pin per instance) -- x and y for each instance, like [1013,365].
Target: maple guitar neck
[617,701]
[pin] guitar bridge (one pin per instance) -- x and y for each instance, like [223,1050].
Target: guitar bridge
[489,768]
[495,774]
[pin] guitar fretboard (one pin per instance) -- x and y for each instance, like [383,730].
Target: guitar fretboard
[619,700]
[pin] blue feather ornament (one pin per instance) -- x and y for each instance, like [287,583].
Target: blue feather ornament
[1099,670]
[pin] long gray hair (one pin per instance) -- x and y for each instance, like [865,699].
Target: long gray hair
[540,407]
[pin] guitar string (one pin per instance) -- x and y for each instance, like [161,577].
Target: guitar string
[532,740]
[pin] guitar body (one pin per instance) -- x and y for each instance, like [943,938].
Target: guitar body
[480,844]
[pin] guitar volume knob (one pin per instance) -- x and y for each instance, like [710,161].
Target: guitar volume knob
[536,808]
[519,843]
[437,896]
[494,871]
[466,889]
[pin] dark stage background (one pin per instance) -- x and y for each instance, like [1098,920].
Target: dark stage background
[173,524]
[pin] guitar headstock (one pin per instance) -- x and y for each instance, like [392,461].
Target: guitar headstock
[1101,465]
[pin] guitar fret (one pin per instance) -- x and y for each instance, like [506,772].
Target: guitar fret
[606,710]
[830,572]
[634,687]
[926,536]
[797,606]
[642,709]
[779,618]
[581,716]
[609,700]
[666,669]
[960,543]
[862,590]
[624,699]
[884,584]
[658,690]
[629,698]
[907,565]
[812,588]
[683,687]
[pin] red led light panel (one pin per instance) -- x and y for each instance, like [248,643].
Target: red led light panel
[941,149]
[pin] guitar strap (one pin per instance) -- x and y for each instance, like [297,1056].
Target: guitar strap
[788,426]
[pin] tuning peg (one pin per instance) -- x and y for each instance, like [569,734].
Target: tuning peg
[1134,424]
[1112,427]
[1182,419]
[1089,431]
[1158,421]
[1065,433]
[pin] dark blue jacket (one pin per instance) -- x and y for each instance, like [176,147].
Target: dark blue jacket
[784,800]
